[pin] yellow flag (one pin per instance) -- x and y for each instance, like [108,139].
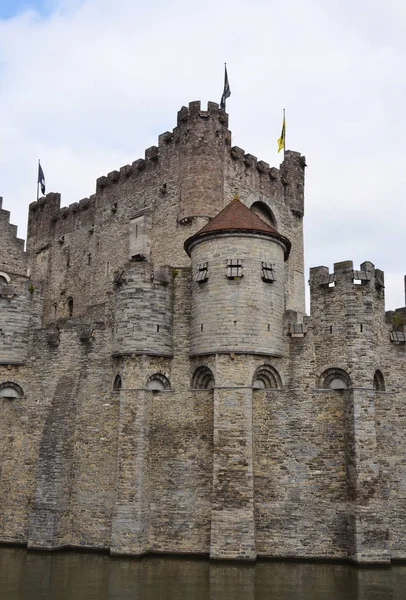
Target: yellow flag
[281,140]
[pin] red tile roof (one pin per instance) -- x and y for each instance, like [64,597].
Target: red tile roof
[237,217]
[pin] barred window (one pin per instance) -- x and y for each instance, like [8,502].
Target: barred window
[201,274]
[234,268]
[267,272]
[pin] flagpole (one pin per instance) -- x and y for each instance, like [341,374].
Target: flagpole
[38,180]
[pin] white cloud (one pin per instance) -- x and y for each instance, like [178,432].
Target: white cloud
[89,87]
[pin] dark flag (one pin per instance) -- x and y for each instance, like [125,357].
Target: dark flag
[226,91]
[41,178]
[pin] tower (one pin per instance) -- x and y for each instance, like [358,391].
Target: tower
[202,137]
[348,321]
[237,318]
[238,298]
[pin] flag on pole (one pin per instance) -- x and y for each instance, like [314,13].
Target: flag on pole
[41,178]
[226,91]
[281,140]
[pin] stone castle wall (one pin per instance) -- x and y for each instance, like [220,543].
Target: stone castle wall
[137,430]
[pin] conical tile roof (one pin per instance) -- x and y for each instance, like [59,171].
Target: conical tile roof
[237,217]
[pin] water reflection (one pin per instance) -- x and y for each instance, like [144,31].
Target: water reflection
[87,576]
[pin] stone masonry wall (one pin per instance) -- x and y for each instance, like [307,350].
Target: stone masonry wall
[15,311]
[296,470]
[300,473]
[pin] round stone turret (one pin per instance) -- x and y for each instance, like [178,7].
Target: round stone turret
[203,136]
[143,315]
[238,294]
[348,315]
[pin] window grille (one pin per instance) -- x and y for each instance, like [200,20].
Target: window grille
[267,272]
[234,268]
[201,274]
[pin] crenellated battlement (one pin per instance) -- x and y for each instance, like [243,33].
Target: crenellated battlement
[12,229]
[344,274]
[249,161]
[13,258]
[196,131]
[127,171]
[290,173]
[47,219]
[154,154]
[194,111]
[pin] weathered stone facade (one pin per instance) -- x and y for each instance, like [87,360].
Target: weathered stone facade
[154,399]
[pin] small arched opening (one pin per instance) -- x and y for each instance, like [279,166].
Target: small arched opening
[118,383]
[203,379]
[379,381]
[158,383]
[263,211]
[335,379]
[10,390]
[69,304]
[266,377]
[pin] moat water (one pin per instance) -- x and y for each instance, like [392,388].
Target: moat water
[89,576]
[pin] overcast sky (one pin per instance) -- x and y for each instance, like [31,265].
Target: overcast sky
[87,85]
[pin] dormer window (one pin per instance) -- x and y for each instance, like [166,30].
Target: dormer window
[267,272]
[201,274]
[234,268]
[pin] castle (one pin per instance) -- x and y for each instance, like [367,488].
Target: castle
[161,389]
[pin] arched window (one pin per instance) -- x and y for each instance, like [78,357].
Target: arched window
[379,381]
[10,390]
[263,212]
[266,377]
[69,304]
[158,383]
[118,383]
[335,379]
[202,379]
